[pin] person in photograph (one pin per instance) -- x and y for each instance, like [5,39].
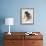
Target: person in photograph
[27,16]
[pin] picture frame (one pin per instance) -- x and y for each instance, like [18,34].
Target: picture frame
[27,15]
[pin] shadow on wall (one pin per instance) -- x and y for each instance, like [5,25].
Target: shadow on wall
[2,21]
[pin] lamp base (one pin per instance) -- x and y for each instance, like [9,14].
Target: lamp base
[9,33]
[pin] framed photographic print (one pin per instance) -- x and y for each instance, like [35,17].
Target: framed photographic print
[27,15]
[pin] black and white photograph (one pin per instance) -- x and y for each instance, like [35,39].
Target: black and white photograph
[27,15]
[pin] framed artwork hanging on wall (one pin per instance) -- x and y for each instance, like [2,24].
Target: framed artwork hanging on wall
[27,15]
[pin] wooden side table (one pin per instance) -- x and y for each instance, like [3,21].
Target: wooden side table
[20,39]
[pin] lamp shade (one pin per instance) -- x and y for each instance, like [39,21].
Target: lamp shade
[9,21]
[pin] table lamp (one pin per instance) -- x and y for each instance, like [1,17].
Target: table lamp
[9,21]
